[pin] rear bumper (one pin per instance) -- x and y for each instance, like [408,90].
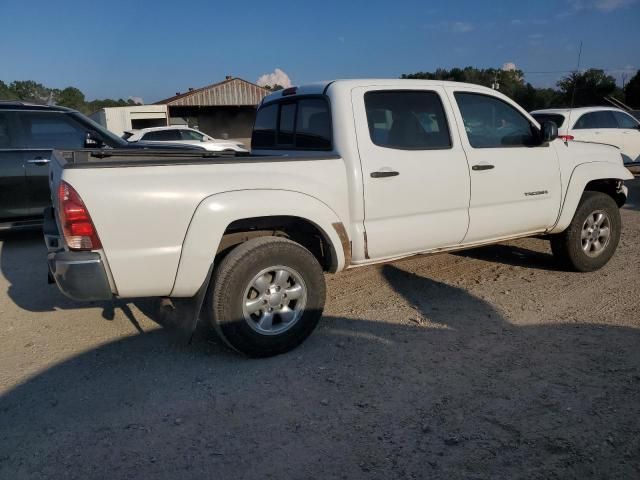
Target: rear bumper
[80,275]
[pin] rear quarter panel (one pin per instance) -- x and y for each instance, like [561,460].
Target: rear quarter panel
[142,214]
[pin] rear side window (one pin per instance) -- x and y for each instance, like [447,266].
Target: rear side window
[603,119]
[549,117]
[625,121]
[407,120]
[162,136]
[293,124]
[191,135]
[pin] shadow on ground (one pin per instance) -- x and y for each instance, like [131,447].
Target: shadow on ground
[469,396]
[23,262]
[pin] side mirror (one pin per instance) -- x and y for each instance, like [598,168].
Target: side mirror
[548,131]
[93,140]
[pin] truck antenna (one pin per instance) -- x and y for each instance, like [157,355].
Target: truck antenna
[573,93]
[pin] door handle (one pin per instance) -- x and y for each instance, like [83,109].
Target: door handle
[482,166]
[384,173]
[39,161]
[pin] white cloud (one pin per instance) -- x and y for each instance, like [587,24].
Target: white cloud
[509,66]
[602,5]
[455,27]
[278,77]
[461,27]
[139,100]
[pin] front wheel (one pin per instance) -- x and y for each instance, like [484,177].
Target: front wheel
[266,296]
[593,235]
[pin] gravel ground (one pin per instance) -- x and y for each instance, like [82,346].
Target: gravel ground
[489,363]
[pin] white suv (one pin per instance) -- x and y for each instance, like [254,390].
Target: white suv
[182,135]
[597,124]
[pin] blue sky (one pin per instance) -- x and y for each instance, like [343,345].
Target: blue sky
[152,49]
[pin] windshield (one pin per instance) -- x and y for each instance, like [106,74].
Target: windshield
[111,139]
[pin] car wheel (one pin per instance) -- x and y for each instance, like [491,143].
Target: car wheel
[593,235]
[266,296]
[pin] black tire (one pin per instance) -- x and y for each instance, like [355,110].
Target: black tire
[567,247]
[232,278]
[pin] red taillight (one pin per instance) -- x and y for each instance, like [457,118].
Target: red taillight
[566,138]
[77,226]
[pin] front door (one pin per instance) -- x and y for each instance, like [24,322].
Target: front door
[415,174]
[14,203]
[515,182]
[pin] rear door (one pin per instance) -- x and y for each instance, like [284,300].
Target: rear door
[13,186]
[515,181]
[599,127]
[415,174]
[630,129]
[43,132]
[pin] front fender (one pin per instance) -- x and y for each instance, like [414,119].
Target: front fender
[216,212]
[583,174]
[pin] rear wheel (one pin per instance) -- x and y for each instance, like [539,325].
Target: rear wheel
[593,235]
[266,297]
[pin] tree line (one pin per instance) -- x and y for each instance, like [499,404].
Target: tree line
[580,89]
[31,91]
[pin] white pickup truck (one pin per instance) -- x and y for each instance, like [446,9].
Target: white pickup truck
[342,174]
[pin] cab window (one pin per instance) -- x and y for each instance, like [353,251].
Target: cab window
[407,120]
[492,123]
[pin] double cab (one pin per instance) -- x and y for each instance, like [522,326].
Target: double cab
[342,174]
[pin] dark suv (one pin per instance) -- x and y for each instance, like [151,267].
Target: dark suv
[28,134]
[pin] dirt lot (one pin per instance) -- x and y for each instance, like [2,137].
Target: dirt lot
[490,363]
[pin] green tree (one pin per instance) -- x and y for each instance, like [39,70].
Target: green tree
[71,97]
[587,88]
[632,91]
[30,91]
[6,93]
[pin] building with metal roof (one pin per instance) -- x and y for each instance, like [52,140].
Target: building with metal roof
[223,110]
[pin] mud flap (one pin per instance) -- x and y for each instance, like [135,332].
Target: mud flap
[180,315]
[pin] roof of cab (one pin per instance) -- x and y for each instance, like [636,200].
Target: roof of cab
[319,88]
[20,105]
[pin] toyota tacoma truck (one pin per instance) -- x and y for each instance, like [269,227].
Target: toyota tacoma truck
[342,174]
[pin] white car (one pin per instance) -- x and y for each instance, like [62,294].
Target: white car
[181,135]
[342,174]
[608,125]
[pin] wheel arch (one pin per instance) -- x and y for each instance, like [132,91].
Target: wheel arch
[225,220]
[595,176]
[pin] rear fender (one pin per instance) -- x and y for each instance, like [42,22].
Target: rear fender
[215,213]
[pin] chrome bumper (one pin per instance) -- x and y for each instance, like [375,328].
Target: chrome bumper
[80,275]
